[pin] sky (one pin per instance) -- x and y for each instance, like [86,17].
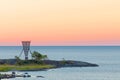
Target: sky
[60,22]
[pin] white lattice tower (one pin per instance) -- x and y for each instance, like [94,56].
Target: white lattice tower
[26,48]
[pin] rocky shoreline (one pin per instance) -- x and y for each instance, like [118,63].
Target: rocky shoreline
[14,75]
[55,63]
[69,63]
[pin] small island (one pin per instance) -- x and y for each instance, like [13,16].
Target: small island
[39,62]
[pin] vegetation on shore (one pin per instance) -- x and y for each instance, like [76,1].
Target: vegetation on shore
[36,59]
[24,67]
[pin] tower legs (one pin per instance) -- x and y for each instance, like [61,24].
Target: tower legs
[26,58]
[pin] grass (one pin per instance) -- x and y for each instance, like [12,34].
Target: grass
[24,67]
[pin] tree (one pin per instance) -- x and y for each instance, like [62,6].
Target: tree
[18,60]
[38,56]
[44,57]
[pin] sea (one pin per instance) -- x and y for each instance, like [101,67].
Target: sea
[107,57]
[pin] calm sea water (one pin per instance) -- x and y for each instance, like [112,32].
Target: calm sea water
[108,59]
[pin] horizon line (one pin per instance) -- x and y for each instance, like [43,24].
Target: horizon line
[65,45]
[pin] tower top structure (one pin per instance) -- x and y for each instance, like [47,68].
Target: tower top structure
[26,48]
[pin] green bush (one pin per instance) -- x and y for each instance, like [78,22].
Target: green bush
[38,56]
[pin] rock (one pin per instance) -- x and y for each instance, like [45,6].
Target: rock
[40,76]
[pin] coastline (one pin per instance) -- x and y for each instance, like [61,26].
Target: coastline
[47,64]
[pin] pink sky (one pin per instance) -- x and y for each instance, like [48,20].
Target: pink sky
[60,22]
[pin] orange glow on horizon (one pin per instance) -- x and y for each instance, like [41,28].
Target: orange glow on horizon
[60,22]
